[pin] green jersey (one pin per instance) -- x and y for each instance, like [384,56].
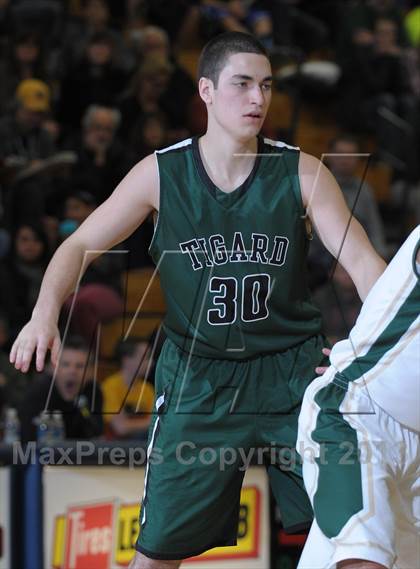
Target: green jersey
[233,265]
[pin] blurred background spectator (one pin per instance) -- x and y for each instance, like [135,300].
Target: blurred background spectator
[25,145]
[156,90]
[21,273]
[102,158]
[67,389]
[93,19]
[377,95]
[25,59]
[348,166]
[128,395]
[95,77]
[239,16]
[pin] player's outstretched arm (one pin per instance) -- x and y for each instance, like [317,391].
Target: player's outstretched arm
[112,222]
[339,231]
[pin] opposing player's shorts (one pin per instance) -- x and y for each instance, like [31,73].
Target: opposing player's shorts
[212,417]
[362,472]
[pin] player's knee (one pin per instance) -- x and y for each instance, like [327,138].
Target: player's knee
[140,561]
[359,564]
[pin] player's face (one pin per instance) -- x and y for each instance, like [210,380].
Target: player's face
[243,94]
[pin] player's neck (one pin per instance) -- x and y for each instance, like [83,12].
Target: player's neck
[228,162]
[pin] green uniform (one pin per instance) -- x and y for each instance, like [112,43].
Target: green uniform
[243,342]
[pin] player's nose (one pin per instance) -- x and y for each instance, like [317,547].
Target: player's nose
[257,94]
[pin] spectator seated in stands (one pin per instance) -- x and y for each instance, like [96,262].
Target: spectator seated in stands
[94,17]
[344,161]
[77,207]
[149,134]
[94,79]
[150,93]
[25,60]
[128,396]
[240,16]
[356,21]
[75,395]
[21,274]
[153,43]
[102,159]
[25,146]
[376,91]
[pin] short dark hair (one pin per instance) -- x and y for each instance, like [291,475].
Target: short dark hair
[75,343]
[217,50]
[344,137]
[128,347]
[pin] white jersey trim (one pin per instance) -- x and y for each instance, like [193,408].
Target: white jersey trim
[181,144]
[280,144]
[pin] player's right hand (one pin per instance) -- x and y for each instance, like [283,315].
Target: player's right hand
[36,337]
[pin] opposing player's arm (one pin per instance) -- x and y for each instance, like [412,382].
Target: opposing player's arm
[113,221]
[339,231]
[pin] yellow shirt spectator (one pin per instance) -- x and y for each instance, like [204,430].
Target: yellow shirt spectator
[128,397]
[118,396]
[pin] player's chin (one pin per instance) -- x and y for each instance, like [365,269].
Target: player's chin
[249,130]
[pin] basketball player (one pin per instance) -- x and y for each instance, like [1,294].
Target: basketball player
[359,432]
[243,336]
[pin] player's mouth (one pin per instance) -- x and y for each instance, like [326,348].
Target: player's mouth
[256,116]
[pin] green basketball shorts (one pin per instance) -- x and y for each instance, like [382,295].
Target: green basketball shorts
[213,417]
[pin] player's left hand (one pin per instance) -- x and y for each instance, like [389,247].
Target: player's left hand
[320,370]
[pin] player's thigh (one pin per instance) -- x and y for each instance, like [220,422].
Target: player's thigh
[194,473]
[192,495]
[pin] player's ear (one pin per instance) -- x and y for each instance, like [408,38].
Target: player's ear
[206,88]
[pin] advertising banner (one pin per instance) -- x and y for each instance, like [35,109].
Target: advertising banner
[91,520]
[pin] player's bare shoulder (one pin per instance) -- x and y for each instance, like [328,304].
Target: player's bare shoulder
[142,182]
[313,175]
[310,170]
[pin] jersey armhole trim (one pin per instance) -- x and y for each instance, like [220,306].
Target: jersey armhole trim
[416,265]
[159,213]
[297,191]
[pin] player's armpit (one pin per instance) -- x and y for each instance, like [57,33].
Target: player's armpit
[338,230]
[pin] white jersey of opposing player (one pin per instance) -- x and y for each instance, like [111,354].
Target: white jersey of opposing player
[386,335]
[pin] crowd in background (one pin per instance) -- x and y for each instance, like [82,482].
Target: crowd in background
[89,87]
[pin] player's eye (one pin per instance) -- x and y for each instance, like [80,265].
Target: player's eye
[266,86]
[242,84]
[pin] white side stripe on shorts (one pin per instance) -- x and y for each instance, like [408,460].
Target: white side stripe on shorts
[159,402]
